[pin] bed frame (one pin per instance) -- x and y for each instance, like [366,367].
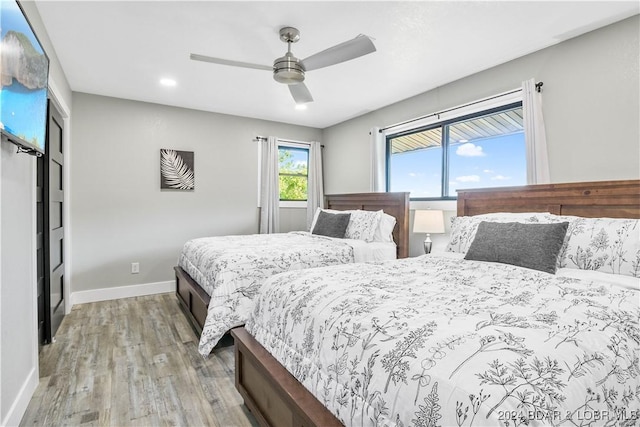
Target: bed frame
[603,199]
[276,398]
[194,301]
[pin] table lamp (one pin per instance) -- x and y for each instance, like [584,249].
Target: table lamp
[429,221]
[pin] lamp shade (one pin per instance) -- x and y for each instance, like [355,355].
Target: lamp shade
[429,221]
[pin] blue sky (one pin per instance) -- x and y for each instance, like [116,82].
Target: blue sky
[11,18]
[299,156]
[491,162]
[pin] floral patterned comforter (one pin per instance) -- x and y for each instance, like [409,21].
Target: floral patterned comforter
[232,268]
[432,341]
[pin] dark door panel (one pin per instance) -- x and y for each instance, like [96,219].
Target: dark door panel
[40,252]
[53,227]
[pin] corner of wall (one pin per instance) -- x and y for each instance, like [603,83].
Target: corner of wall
[19,405]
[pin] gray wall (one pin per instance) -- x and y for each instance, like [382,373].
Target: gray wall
[119,215]
[17,310]
[590,102]
[18,335]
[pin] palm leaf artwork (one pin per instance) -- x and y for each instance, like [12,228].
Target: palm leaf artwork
[175,173]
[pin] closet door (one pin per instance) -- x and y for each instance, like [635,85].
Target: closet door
[42,322]
[53,224]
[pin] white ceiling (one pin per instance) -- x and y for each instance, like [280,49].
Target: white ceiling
[122,49]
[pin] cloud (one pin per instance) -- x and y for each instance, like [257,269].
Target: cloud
[468,178]
[470,150]
[487,171]
[500,178]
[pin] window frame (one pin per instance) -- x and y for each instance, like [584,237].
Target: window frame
[444,124]
[285,203]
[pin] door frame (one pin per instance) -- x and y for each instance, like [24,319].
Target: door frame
[65,111]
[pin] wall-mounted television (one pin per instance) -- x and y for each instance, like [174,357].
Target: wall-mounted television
[24,68]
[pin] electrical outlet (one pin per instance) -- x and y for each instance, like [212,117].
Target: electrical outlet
[135,267]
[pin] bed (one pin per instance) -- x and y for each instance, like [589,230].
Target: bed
[217,277]
[437,340]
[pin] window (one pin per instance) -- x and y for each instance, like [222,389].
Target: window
[293,172]
[486,149]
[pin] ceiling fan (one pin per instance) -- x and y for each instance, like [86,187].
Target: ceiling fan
[291,71]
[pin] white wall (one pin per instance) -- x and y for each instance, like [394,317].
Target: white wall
[591,110]
[18,326]
[119,215]
[18,335]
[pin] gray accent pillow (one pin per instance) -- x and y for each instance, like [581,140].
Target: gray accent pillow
[331,225]
[534,246]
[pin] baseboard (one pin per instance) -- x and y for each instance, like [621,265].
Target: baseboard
[106,294]
[19,406]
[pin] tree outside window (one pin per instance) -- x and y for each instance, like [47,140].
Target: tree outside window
[293,173]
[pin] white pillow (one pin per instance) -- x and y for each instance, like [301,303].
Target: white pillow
[607,245]
[463,228]
[384,232]
[315,218]
[363,225]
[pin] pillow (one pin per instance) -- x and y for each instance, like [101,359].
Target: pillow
[463,228]
[384,232]
[331,225]
[363,225]
[607,245]
[315,217]
[534,246]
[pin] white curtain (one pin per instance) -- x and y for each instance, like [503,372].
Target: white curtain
[534,134]
[269,187]
[315,188]
[378,160]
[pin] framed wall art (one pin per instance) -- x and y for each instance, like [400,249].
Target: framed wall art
[176,170]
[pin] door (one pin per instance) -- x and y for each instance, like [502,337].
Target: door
[40,249]
[53,225]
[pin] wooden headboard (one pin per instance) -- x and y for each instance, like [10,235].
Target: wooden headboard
[394,204]
[608,199]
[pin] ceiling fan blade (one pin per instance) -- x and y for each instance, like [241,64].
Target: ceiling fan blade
[300,93]
[220,61]
[342,52]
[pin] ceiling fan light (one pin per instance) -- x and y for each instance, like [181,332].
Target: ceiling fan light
[301,106]
[288,70]
[289,77]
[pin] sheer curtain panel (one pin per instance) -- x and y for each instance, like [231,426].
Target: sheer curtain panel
[315,188]
[269,187]
[378,160]
[534,134]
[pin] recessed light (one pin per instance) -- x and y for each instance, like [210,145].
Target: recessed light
[301,106]
[167,82]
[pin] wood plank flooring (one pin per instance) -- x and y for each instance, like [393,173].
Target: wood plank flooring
[134,362]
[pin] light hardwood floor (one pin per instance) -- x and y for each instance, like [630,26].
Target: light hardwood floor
[134,361]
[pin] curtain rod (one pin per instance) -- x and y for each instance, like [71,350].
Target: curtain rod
[264,138]
[538,89]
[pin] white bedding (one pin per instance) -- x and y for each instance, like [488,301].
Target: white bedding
[612,279]
[435,341]
[371,251]
[232,268]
